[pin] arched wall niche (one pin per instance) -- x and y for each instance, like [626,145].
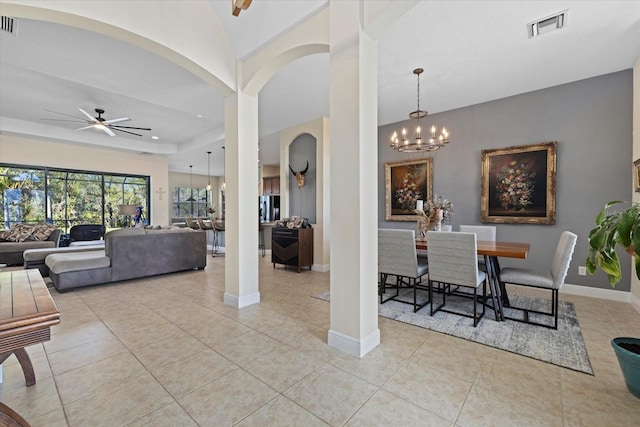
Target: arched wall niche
[303,199]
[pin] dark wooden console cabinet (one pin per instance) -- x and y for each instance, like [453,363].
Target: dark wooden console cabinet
[292,246]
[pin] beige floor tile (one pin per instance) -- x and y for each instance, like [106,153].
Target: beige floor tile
[161,353]
[331,394]
[376,367]
[101,376]
[171,415]
[461,358]
[85,354]
[284,367]
[483,407]
[227,400]
[33,401]
[523,380]
[51,419]
[13,375]
[82,333]
[386,409]
[190,373]
[432,389]
[588,401]
[135,397]
[282,412]
[218,332]
[244,349]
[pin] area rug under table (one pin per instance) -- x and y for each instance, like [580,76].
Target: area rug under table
[563,347]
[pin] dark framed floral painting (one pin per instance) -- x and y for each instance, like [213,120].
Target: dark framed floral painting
[519,184]
[405,183]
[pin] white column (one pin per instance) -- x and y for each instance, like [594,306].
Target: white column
[241,216]
[354,165]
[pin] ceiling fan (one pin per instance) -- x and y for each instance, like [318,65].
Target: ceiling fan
[99,122]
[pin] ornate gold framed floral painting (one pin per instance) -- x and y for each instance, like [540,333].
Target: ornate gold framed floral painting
[519,184]
[636,176]
[405,183]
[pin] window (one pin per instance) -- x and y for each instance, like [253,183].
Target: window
[68,197]
[183,207]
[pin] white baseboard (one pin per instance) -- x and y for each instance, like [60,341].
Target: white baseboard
[243,301]
[322,268]
[353,346]
[587,291]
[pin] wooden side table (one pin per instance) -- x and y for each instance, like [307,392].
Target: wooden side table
[27,313]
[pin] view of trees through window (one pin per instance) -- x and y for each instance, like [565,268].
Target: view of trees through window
[183,207]
[69,197]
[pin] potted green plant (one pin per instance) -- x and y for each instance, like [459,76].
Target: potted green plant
[613,229]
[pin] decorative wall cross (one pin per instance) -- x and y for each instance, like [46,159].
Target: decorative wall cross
[160,192]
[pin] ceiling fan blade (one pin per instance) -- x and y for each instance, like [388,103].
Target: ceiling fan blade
[63,120]
[62,114]
[107,130]
[126,131]
[93,119]
[85,127]
[121,119]
[128,127]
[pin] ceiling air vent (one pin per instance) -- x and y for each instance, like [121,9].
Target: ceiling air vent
[548,24]
[8,24]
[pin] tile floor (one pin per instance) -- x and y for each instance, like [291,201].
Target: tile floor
[166,351]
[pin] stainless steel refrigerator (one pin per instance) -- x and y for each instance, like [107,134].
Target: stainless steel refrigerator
[269,208]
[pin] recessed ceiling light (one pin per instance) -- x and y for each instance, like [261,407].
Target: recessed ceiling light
[154,137]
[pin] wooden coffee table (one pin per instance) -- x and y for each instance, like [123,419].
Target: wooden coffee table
[27,313]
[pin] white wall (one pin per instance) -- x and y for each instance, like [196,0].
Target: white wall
[32,152]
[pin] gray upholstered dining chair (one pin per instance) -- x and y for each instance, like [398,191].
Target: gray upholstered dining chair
[423,255]
[453,261]
[483,232]
[207,226]
[397,257]
[549,279]
[192,223]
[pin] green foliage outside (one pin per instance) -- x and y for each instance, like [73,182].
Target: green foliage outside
[73,197]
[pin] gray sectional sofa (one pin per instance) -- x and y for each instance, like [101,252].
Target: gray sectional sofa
[130,253]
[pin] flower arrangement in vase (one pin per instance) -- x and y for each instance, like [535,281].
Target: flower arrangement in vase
[407,192]
[434,213]
[515,186]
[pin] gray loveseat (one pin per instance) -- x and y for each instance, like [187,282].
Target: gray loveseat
[130,253]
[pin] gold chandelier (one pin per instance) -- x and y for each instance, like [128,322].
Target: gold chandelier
[417,143]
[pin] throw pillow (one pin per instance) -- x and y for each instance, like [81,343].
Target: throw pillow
[6,233]
[20,233]
[42,231]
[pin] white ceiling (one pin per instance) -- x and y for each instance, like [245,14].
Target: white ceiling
[472,52]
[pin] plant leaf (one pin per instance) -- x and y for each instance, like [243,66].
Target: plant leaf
[597,238]
[624,228]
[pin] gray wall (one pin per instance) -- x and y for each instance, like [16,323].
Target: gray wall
[592,122]
[302,201]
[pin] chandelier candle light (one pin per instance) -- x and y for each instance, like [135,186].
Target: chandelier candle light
[416,144]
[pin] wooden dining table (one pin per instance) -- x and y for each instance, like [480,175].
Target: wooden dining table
[491,250]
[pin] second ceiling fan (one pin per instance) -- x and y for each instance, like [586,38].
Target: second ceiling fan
[99,122]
